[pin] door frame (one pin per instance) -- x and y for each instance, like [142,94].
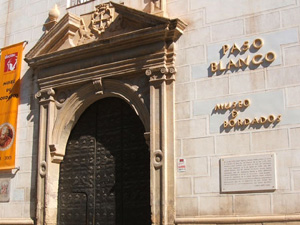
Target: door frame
[137,66]
[55,128]
[89,123]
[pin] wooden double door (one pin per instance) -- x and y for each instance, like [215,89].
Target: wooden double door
[105,174]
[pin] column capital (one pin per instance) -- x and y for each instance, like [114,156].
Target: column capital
[45,95]
[161,73]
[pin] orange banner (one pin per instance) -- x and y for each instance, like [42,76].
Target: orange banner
[10,68]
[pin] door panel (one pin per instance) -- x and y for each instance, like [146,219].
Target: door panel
[106,167]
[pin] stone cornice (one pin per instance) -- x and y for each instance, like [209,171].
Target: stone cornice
[56,47]
[52,40]
[105,70]
[106,46]
[100,47]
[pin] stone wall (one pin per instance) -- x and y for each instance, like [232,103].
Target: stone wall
[272,89]
[200,136]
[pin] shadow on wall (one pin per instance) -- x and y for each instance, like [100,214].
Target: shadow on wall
[235,69]
[253,126]
[27,98]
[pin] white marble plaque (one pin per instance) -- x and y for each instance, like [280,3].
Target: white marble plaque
[248,173]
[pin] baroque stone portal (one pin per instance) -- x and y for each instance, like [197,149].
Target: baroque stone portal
[114,51]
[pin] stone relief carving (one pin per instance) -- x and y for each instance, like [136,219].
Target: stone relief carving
[101,18]
[91,26]
[83,33]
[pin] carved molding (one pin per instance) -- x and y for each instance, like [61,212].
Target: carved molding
[161,74]
[72,31]
[43,168]
[158,159]
[79,101]
[84,59]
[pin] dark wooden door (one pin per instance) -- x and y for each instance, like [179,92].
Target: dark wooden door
[105,175]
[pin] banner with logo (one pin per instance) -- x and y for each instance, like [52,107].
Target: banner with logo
[10,68]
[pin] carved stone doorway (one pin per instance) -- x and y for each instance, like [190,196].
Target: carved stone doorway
[105,176]
[78,62]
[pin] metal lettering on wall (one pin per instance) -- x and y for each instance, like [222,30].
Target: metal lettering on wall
[248,173]
[239,106]
[105,176]
[243,62]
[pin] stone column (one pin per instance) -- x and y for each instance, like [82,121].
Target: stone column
[47,112]
[162,144]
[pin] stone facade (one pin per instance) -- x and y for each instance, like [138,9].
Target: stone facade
[201,137]
[210,26]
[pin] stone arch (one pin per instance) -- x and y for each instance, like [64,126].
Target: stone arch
[136,43]
[76,104]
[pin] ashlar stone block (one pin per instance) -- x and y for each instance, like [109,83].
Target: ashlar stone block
[233,144]
[227,30]
[186,92]
[296,180]
[286,203]
[195,54]
[248,82]
[291,17]
[212,88]
[183,74]
[13,210]
[252,204]
[198,146]
[282,77]
[191,128]
[183,186]
[195,167]
[292,56]
[216,205]
[194,20]
[229,10]
[291,94]
[198,36]
[294,136]
[187,206]
[182,110]
[270,140]
[262,23]
[172,8]
[211,182]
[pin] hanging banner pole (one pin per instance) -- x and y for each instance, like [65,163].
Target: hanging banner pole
[10,69]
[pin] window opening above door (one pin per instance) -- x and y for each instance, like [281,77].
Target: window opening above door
[71,3]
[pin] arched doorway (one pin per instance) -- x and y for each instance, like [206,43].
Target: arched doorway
[105,174]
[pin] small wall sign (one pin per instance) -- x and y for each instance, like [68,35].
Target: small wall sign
[4,190]
[181,165]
